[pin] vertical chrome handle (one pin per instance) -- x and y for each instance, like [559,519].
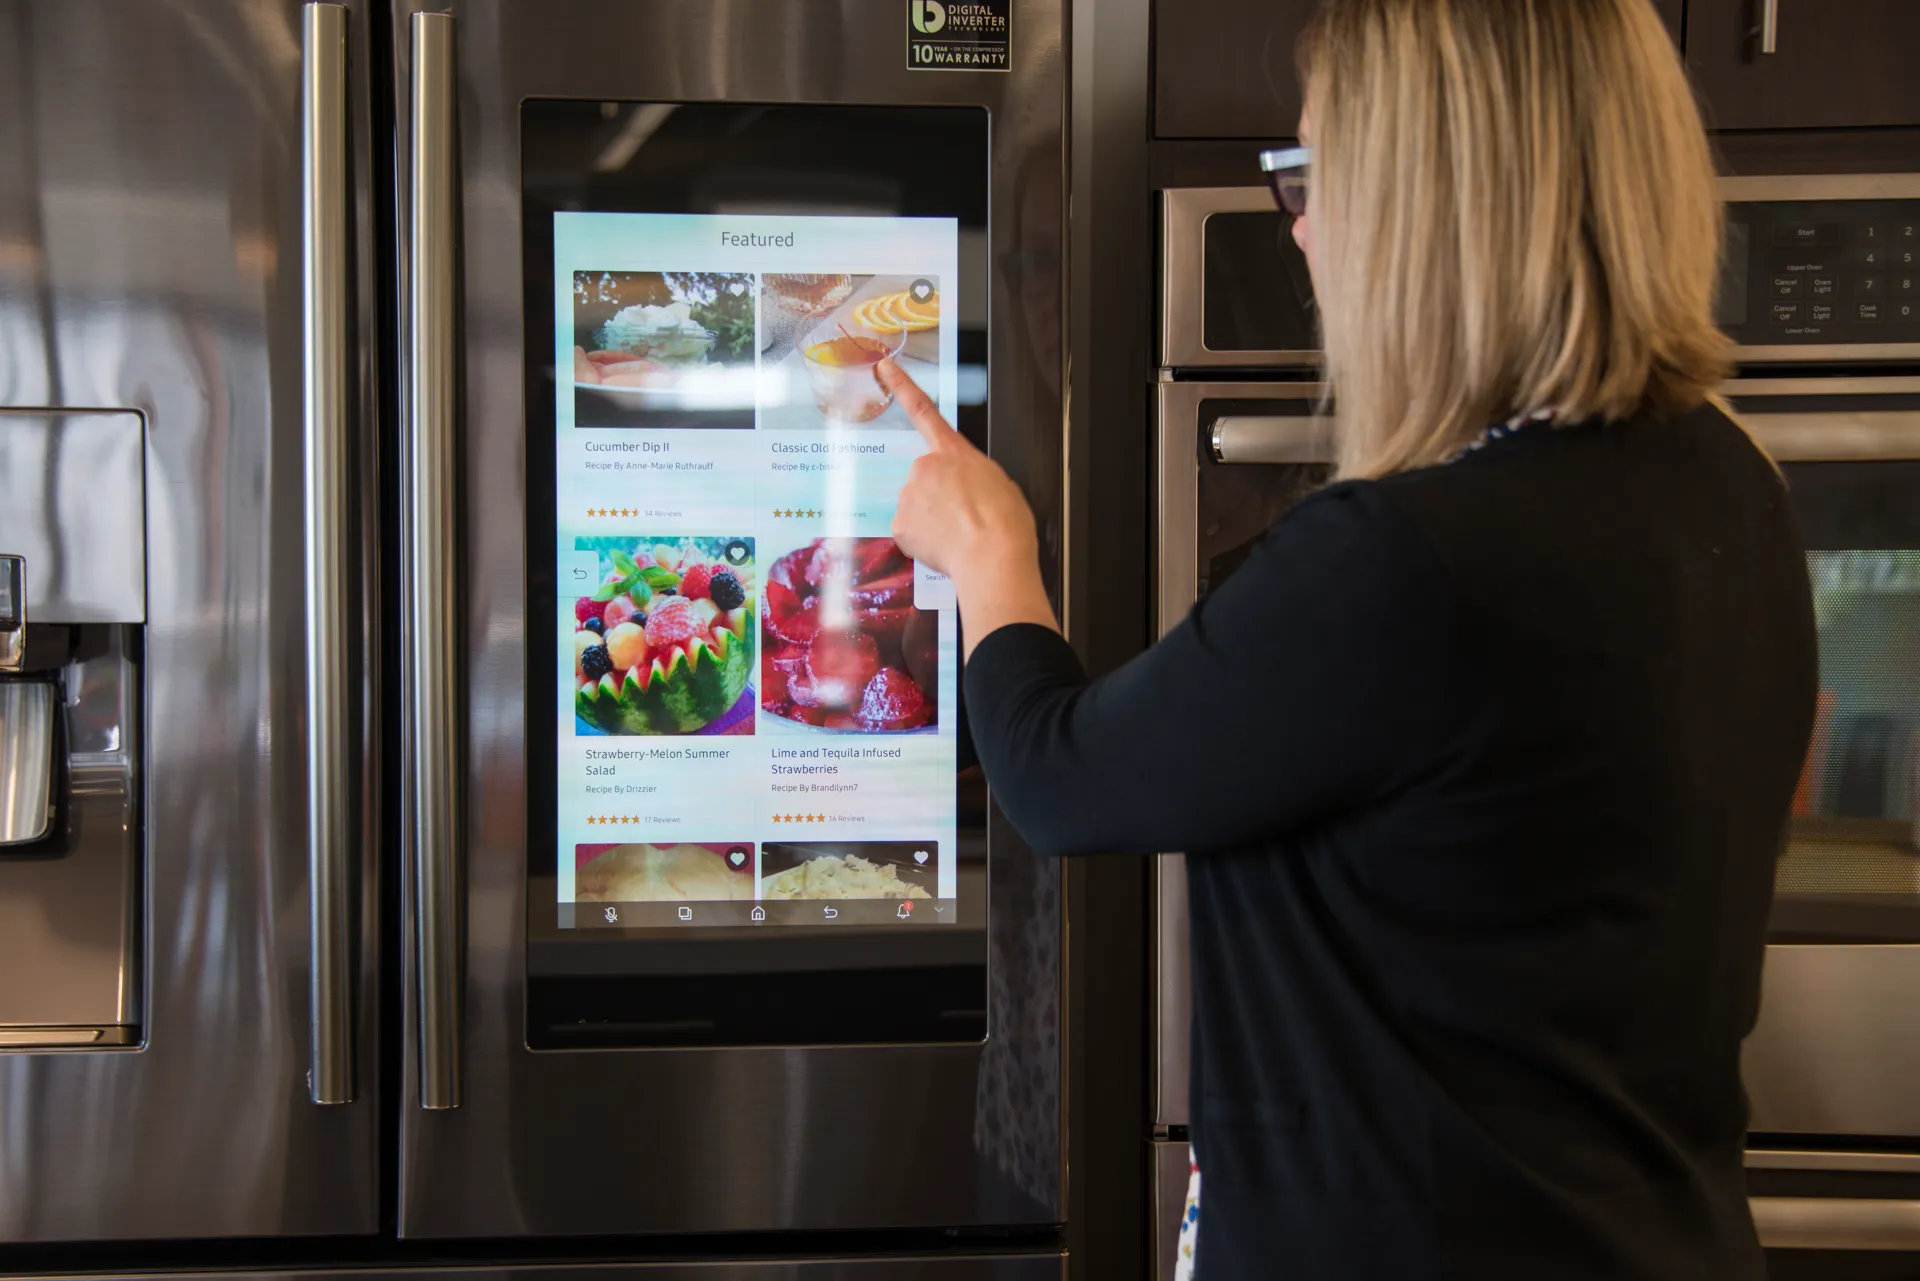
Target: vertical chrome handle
[327,500]
[1769,26]
[434,606]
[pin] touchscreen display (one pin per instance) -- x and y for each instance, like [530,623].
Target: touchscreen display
[753,816]
[755,688]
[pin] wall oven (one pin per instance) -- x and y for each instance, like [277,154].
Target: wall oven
[1834,396]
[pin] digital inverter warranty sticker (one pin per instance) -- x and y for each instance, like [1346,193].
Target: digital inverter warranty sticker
[960,35]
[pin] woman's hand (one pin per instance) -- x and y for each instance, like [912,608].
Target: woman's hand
[959,513]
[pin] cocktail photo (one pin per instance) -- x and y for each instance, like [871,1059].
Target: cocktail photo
[822,336]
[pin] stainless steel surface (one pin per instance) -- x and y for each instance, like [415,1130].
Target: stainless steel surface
[72,502]
[149,213]
[726,1140]
[980,1267]
[1866,1162]
[1769,26]
[1822,186]
[1183,218]
[26,760]
[1837,436]
[1173,991]
[1855,433]
[434,605]
[1903,352]
[1178,436]
[1837,1049]
[13,612]
[1176,578]
[1741,389]
[324,199]
[1835,1223]
[1171,1165]
[70,916]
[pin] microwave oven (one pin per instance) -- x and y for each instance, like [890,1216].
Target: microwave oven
[1817,268]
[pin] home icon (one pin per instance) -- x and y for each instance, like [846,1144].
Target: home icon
[758,914]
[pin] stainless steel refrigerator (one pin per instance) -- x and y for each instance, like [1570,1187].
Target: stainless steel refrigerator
[309,924]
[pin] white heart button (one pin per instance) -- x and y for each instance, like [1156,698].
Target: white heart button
[736,858]
[919,856]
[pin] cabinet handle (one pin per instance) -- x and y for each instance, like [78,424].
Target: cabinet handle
[327,504]
[434,605]
[1769,26]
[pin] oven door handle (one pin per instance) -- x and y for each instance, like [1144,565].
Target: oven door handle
[1837,436]
[1258,438]
[328,507]
[1836,1223]
[433,643]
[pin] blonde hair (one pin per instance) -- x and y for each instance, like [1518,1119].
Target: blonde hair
[1513,208]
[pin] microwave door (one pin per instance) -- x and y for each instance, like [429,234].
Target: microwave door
[697,927]
[166,1071]
[1234,289]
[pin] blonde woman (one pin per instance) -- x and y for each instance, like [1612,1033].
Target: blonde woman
[1484,756]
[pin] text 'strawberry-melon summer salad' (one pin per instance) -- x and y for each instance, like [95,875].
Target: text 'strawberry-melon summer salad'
[665,644]
[844,647]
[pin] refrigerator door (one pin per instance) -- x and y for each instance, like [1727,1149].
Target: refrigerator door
[153,230]
[499,1139]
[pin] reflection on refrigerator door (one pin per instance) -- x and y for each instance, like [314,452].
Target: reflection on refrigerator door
[157,1032]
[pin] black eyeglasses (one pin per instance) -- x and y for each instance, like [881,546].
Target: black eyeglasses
[1286,170]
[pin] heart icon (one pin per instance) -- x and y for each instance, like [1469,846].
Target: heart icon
[921,290]
[919,856]
[736,857]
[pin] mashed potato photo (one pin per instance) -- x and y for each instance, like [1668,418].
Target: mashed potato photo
[839,876]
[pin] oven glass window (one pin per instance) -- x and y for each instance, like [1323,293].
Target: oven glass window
[1852,863]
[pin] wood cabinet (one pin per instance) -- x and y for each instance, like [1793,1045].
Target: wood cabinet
[1225,68]
[1836,63]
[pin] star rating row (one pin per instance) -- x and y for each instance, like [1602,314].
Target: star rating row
[614,511]
[787,512]
[604,820]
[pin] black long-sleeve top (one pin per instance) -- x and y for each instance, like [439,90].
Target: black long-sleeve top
[1482,771]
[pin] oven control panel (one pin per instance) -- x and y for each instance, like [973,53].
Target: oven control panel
[1821,273]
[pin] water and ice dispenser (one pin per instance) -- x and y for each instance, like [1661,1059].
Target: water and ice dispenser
[72,613]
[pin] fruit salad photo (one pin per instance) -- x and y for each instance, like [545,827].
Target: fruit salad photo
[665,644]
[845,649]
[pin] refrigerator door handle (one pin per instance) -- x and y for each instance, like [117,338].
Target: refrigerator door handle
[328,507]
[434,607]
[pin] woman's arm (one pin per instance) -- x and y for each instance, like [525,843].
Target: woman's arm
[960,514]
[1325,673]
